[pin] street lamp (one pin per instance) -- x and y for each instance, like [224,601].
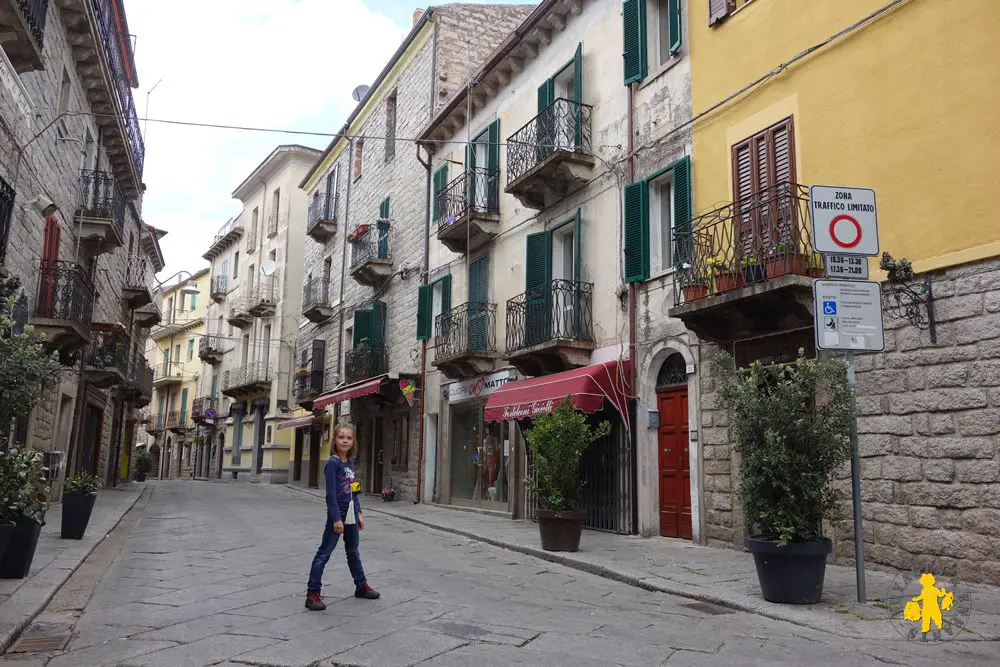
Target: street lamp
[189,287]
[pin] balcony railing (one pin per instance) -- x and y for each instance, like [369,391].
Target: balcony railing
[210,345]
[323,208]
[6,216]
[753,240]
[139,273]
[105,11]
[315,294]
[35,12]
[253,373]
[100,197]
[229,232]
[466,329]
[365,361]
[308,385]
[177,419]
[564,126]
[200,405]
[65,293]
[167,370]
[252,237]
[475,191]
[138,388]
[219,287]
[272,225]
[558,310]
[156,423]
[109,350]
[371,242]
[263,297]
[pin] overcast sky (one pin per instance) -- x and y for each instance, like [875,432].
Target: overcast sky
[286,64]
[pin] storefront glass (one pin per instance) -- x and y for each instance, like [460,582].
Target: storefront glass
[480,458]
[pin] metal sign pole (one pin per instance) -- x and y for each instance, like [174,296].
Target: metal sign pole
[859,541]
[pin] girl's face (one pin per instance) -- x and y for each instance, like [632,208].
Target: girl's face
[344,442]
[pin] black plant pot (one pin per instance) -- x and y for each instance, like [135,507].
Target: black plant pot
[140,477]
[754,273]
[792,574]
[16,561]
[6,528]
[76,510]
[560,531]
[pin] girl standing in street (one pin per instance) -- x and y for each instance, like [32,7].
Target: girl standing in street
[343,517]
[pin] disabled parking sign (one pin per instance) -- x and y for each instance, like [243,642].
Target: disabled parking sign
[829,307]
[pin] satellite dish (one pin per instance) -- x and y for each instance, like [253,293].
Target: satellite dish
[360,92]
[268,267]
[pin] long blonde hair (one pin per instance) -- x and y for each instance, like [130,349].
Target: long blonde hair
[345,427]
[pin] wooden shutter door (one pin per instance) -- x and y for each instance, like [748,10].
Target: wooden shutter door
[537,287]
[318,365]
[634,40]
[683,238]
[718,10]
[545,121]
[743,184]
[577,97]
[782,211]
[478,308]
[378,334]
[636,232]
[47,286]
[362,326]
[425,297]
[493,168]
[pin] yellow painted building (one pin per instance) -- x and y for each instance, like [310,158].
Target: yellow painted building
[172,352]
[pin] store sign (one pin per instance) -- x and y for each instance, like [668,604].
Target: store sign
[477,387]
[529,410]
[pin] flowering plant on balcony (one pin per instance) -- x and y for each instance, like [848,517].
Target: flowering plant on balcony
[718,265]
[358,232]
[301,372]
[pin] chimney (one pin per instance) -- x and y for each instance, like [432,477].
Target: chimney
[417,13]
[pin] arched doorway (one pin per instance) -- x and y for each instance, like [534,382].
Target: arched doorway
[154,452]
[672,448]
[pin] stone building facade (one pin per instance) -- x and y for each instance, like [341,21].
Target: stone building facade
[71,226]
[367,253]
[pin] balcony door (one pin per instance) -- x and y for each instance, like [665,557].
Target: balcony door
[478,308]
[559,125]
[482,170]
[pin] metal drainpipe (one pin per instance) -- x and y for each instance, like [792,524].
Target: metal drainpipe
[423,343]
[343,260]
[633,296]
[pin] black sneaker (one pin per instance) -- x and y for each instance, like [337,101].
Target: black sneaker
[314,602]
[366,592]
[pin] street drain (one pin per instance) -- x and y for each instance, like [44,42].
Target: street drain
[39,644]
[709,608]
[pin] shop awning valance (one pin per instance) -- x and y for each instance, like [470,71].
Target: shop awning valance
[588,388]
[298,422]
[347,392]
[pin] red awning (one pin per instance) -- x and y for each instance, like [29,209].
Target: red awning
[346,393]
[298,422]
[587,387]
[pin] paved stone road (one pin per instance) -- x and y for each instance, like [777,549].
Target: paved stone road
[214,573]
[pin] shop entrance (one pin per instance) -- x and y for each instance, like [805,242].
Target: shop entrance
[480,459]
[672,448]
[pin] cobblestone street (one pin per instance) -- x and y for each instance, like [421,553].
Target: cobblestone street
[213,573]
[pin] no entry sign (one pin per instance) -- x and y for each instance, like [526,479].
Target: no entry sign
[844,220]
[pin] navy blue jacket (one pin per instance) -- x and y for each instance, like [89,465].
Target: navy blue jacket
[339,477]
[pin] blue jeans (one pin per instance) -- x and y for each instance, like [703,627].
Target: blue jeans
[326,548]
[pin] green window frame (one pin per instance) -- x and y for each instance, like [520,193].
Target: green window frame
[440,182]
[635,34]
[369,324]
[636,220]
[425,305]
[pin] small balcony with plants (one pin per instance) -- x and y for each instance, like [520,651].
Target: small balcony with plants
[101,213]
[550,327]
[310,374]
[107,361]
[156,424]
[467,210]
[218,288]
[239,312]
[201,405]
[167,374]
[250,378]
[745,269]
[371,252]
[366,360]
[465,340]
[64,307]
[178,421]
[138,387]
[321,221]
[551,155]
[139,282]
[262,298]
[22,23]
[316,306]
[228,234]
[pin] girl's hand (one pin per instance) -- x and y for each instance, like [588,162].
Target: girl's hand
[361,522]
[339,527]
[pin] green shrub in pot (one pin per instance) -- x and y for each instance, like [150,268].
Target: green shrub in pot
[84,482]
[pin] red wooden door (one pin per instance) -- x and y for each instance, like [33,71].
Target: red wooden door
[675,469]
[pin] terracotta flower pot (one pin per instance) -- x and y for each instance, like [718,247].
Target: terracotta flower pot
[560,531]
[782,265]
[728,280]
[695,292]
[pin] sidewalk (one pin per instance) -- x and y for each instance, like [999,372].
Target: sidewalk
[56,559]
[722,576]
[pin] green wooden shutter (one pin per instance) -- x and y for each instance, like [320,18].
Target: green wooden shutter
[425,302]
[440,183]
[683,238]
[546,94]
[478,311]
[383,209]
[577,237]
[578,74]
[445,293]
[184,406]
[634,40]
[538,290]
[378,322]
[636,232]
[493,168]
[470,174]
[537,265]
[479,279]
[674,25]
[362,326]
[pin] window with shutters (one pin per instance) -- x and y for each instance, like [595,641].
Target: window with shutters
[763,167]
[652,34]
[440,182]
[657,220]
[390,126]
[661,224]
[359,147]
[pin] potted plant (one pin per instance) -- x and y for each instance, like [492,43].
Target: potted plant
[556,442]
[726,278]
[78,503]
[143,465]
[816,268]
[301,372]
[785,258]
[694,286]
[27,508]
[7,490]
[753,271]
[790,424]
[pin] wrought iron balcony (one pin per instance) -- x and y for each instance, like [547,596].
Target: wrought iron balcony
[6,215]
[102,211]
[219,288]
[156,423]
[247,379]
[371,252]
[465,340]
[151,314]
[366,361]
[178,420]
[107,361]
[551,156]
[321,223]
[272,225]
[166,374]
[64,306]
[139,282]
[745,268]
[211,348]
[228,234]
[23,25]
[468,210]
[239,312]
[308,385]
[262,298]
[138,387]
[316,300]
[550,327]
[252,237]
[200,405]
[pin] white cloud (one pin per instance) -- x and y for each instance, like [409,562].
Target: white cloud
[266,63]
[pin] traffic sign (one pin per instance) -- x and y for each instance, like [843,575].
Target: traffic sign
[848,315]
[844,220]
[846,266]
[211,413]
